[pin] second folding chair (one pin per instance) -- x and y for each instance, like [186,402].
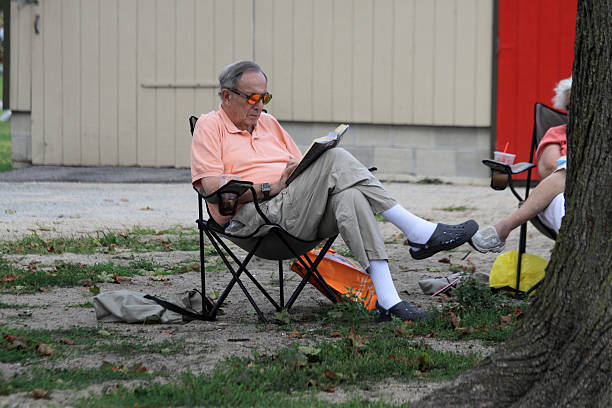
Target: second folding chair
[544,117]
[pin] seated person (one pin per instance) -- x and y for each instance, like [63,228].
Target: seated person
[547,201]
[335,194]
[554,143]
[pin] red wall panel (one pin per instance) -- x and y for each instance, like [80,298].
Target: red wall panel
[535,51]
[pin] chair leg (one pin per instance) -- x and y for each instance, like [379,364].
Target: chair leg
[521,251]
[246,271]
[235,279]
[312,272]
[281,284]
[207,305]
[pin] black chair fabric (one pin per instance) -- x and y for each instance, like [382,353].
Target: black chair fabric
[544,118]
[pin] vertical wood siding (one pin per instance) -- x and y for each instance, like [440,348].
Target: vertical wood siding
[22,20]
[421,62]
[112,82]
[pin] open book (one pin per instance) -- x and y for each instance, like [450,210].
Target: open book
[317,148]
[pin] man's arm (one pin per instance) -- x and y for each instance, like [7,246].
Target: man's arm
[211,184]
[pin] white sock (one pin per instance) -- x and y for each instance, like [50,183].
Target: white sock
[385,289]
[416,229]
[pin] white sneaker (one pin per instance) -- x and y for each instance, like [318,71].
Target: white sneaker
[487,240]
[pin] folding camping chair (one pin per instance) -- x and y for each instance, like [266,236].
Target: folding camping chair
[544,117]
[275,243]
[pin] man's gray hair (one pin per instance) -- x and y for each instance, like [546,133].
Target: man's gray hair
[562,92]
[230,75]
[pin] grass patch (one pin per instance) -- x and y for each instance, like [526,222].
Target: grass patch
[5,146]
[84,305]
[73,378]
[430,181]
[288,377]
[457,208]
[11,306]
[31,345]
[380,218]
[476,314]
[105,242]
[66,274]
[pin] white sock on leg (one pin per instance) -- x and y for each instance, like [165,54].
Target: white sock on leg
[385,289]
[416,229]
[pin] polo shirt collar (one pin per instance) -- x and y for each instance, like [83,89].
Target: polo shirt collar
[229,125]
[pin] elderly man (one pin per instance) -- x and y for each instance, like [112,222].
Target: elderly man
[335,194]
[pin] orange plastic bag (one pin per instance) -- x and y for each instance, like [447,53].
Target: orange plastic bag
[342,275]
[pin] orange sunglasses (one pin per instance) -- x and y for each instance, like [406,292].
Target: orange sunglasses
[254,97]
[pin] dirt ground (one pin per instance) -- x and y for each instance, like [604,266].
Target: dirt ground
[72,209]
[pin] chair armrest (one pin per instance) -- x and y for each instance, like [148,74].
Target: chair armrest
[234,186]
[237,187]
[506,168]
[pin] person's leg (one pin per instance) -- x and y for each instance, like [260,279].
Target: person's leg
[416,229]
[300,208]
[492,238]
[537,202]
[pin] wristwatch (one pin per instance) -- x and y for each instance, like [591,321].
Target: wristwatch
[265,189]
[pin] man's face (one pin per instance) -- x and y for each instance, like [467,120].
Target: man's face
[241,113]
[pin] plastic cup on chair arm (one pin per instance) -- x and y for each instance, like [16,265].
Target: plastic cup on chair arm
[499,180]
[228,201]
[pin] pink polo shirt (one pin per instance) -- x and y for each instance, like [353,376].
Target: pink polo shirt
[554,135]
[218,146]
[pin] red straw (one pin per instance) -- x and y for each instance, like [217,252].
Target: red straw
[231,169]
[505,147]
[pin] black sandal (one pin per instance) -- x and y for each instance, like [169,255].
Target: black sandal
[444,237]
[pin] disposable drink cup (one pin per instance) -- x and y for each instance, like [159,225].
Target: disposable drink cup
[507,158]
[226,178]
[227,204]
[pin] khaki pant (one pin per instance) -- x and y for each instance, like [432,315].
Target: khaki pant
[335,194]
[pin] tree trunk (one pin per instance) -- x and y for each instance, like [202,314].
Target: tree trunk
[561,354]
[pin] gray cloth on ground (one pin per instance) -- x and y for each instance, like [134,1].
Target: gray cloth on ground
[132,307]
[336,194]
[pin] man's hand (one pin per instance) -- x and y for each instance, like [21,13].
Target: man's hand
[291,165]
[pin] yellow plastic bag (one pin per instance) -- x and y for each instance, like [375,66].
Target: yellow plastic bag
[503,272]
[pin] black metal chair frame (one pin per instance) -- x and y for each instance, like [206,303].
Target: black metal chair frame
[274,244]
[539,129]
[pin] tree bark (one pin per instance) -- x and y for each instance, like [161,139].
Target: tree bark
[560,355]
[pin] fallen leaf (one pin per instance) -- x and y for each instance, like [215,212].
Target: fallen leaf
[147,208]
[8,278]
[66,340]
[330,388]
[454,319]
[295,334]
[444,260]
[119,279]
[45,349]
[124,200]
[329,374]
[334,334]
[10,211]
[139,368]
[104,333]
[39,393]
[506,318]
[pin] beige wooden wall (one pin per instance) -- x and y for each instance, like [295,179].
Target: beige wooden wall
[112,82]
